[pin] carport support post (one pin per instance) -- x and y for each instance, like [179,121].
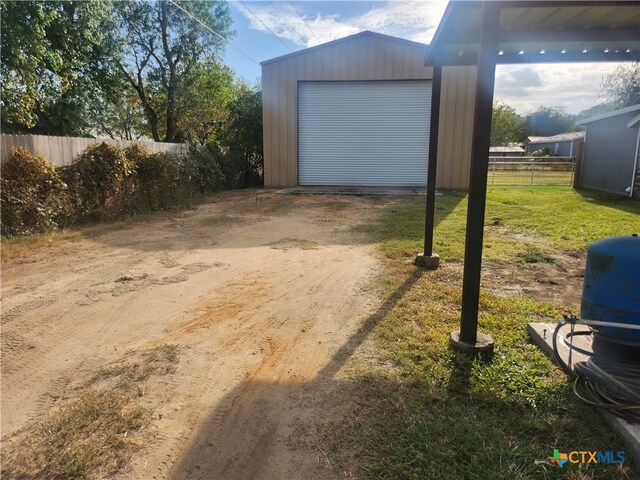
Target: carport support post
[468,340]
[428,259]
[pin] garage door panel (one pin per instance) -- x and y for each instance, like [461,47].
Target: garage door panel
[363,133]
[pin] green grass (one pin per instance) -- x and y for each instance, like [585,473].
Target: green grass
[557,218]
[523,177]
[436,415]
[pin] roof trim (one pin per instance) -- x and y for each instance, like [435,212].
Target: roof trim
[615,113]
[365,33]
[559,138]
[633,121]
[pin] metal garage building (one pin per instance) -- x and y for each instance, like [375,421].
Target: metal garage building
[612,151]
[356,111]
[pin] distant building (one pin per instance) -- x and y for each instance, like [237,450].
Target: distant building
[611,157]
[562,145]
[506,151]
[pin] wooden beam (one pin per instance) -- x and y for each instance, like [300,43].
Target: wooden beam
[480,143]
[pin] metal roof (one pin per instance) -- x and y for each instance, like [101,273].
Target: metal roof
[615,113]
[562,137]
[541,32]
[365,33]
[634,121]
[507,149]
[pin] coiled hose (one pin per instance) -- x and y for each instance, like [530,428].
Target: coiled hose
[601,381]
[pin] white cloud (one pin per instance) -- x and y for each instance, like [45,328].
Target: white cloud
[412,20]
[573,87]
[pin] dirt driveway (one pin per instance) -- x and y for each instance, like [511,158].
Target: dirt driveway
[263,293]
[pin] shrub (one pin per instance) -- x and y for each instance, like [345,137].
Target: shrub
[136,153]
[34,197]
[201,168]
[99,180]
[159,182]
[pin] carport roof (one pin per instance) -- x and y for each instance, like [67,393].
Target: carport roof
[540,32]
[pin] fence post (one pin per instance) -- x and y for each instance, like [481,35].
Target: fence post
[573,170]
[493,172]
[532,166]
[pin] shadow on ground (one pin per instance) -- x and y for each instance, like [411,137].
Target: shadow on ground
[247,435]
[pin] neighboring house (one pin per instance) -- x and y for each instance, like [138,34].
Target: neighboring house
[356,112]
[506,151]
[563,145]
[610,161]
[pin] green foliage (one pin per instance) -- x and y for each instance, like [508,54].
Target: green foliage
[119,117]
[243,137]
[507,126]
[622,87]
[202,168]
[98,181]
[34,198]
[203,102]
[55,56]
[164,48]
[158,182]
[105,182]
[547,121]
[595,110]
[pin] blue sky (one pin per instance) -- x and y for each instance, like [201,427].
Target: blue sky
[266,29]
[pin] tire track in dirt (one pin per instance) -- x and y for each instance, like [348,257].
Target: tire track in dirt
[255,326]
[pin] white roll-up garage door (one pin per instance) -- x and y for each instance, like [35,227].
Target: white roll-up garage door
[363,133]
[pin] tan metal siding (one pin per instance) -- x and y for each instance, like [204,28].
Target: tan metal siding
[366,57]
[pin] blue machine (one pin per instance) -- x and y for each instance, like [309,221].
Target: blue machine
[611,291]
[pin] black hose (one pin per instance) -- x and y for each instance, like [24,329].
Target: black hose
[602,381]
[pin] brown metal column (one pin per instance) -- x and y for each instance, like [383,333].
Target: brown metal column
[428,259]
[468,339]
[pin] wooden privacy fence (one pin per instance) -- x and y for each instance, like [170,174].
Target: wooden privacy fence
[62,150]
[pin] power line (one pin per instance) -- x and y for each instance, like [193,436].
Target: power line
[213,31]
[285,21]
[305,22]
[265,26]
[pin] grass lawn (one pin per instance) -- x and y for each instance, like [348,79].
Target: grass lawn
[426,414]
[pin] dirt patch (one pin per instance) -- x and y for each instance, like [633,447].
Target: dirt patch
[558,282]
[260,291]
[264,295]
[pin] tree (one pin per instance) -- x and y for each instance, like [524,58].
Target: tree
[202,103]
[243,134]
[546,121]
[622,87]
[56,56]
[593,111]
[162,46]
[119,119]
[506,126]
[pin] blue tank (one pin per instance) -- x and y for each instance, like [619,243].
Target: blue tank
[611,291]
